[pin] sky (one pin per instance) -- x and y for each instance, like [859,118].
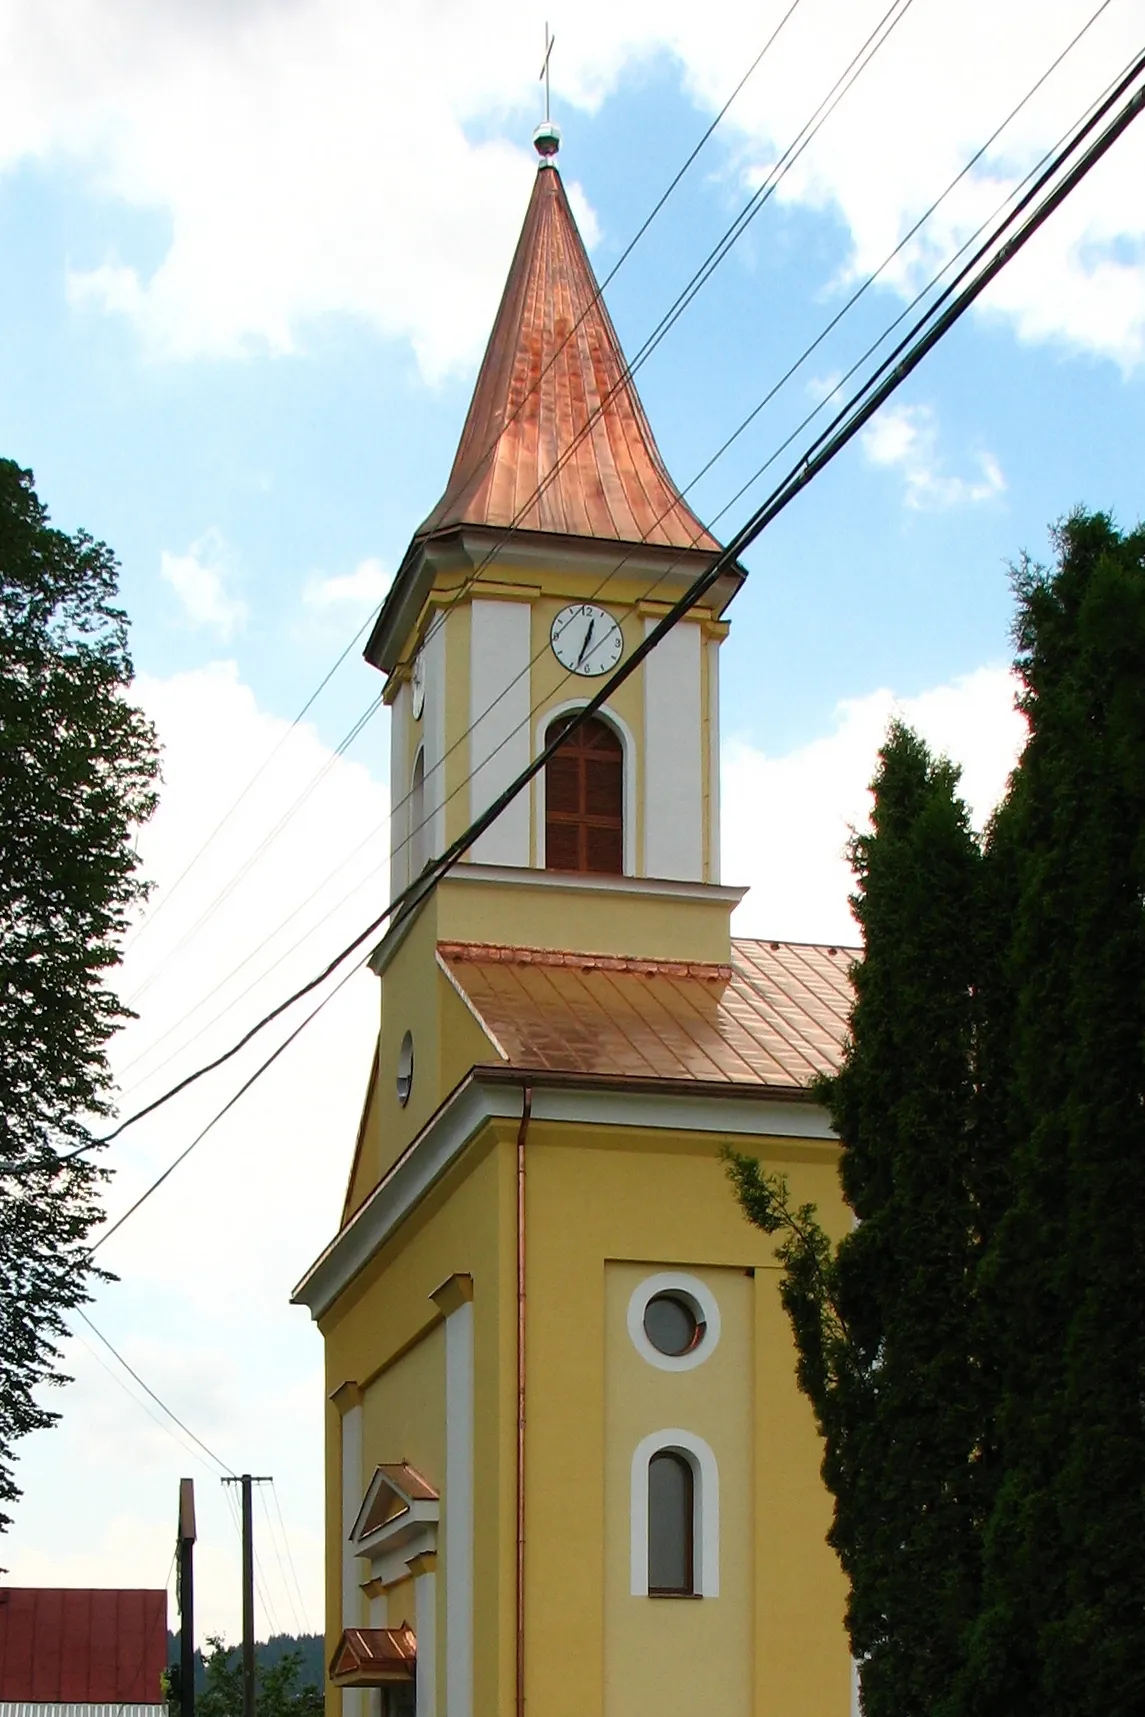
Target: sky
[249,254]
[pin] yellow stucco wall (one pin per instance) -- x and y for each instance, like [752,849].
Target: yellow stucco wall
[403,1411]
[661,1652]
[630,1202]
[606,1206]
[465,1226]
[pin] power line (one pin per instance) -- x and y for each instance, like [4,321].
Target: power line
[142,1405]
[143,928]
[252,859]
[241,1092]
[931,326]
[286,1586]
[289,1553]
[719,251]
[485,456]
[858,63]
[158,1400]
[397,902]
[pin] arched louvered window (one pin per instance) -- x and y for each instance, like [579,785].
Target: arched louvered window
[671,1511]
[417,832]
[584,800]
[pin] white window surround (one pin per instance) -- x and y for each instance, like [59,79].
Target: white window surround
[628,745]
[706,1504]
[706,1308]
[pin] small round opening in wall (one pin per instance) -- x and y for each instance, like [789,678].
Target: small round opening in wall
[673,1320]
[405,1069]
[672,1324]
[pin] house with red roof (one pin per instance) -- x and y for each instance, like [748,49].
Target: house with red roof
[73,1653]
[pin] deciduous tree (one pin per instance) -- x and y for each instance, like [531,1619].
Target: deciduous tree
[77,771]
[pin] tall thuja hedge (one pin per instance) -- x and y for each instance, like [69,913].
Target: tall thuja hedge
[1061,1627]
[882,1320]
[975,1349]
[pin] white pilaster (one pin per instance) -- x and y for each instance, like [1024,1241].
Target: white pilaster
[458,1511]
[673,737]
[400,717]
[499,711]
[425,1626]
[713,655]
[352,1488]
[433,727]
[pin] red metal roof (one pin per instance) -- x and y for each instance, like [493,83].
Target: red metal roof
[60,1646]
[553,360]
[776,1017]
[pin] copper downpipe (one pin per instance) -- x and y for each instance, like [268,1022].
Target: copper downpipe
[522,1134]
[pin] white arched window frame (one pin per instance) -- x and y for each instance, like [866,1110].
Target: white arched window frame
[705,1503]
[627,745]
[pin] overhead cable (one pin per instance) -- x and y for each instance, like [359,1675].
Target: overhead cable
[1042,199]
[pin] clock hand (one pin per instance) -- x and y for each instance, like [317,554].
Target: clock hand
[587,641]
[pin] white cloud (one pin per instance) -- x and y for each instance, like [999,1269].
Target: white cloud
[317,157]
[198,579]
[363,588]
[787,819]
[207,1266]
[905,438]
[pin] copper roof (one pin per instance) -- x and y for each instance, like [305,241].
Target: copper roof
[777,1016]
[412,1484]
[553,361]
[70,1646]
[368,1657]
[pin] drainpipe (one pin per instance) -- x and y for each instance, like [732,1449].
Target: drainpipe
[522,1134]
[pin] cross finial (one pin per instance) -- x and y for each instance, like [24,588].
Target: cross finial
[547,136]
[544,72]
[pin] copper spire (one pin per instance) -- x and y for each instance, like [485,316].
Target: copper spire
[554,362]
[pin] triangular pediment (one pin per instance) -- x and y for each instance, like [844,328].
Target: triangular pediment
[398,1499]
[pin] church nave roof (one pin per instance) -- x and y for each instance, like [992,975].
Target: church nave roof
[776,1016]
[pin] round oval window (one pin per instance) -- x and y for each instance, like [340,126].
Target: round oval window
[672,1324]
[405,1069]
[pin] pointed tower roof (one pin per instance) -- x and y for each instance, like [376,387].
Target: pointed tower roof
[554,408]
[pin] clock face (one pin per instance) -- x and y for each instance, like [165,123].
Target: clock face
[417,684]
[586,639]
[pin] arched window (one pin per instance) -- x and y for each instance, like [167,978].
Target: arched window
[584,800]
[671,1512]
[417,832]
[675,1516]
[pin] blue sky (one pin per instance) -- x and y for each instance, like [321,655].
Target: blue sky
[248,257]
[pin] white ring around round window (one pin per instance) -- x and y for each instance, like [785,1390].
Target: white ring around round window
[674,1320]
[405,1069]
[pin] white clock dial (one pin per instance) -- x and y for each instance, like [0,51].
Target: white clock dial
[586,639]
[417,684]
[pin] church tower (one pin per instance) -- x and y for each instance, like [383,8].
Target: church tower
[568,1467]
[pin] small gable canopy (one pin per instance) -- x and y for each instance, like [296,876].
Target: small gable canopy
[399,1502]
[374,1657]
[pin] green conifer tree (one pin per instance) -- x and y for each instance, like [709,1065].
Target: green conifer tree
[882,1321]
[1062,1288]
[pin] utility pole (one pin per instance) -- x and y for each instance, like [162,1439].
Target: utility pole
[247,1482]
[186,1592]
